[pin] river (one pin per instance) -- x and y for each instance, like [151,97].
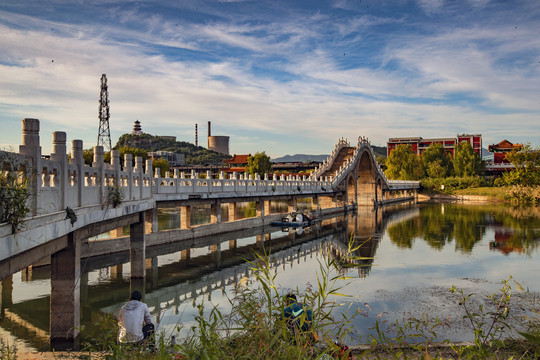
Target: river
[410,258]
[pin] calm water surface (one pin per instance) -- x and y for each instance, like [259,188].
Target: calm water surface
[414,255]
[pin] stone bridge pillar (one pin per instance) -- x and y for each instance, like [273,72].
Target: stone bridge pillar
[151,224]
[30,147]
[185,217]
[185,254]
[6,299]
[65,315]
[59,153]
[215,213]
[215,250]
[137,248]
[78,160]
[232,211]
[267,207]
[291,204]
[259,209]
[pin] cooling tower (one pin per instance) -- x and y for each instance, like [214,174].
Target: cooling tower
[219,144]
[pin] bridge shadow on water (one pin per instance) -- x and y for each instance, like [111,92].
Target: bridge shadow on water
[187,276]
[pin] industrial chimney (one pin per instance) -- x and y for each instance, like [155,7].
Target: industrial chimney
[196,136]
[209,133]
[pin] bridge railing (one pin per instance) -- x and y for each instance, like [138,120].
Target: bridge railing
[237,185]
[327,164]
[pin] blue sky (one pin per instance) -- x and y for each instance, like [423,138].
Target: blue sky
[283,77]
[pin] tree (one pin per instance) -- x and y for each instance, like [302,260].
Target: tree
[162,164]
[466,161]
[527,163]
[16,177]
[259,164]
[403,164]
[436,161]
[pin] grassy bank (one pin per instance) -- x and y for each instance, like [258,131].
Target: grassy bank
[478,186]
[505,326]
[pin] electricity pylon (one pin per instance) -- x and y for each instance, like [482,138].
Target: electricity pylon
[104,134]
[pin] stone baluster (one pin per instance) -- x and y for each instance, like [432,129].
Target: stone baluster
[59,154]
[78,160]
[31,148]
[115,165]
[138,169]
[128,168]
[98,164]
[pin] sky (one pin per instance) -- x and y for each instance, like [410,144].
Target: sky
[284,77]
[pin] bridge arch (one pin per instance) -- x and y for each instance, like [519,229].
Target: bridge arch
[351,190]
[365,183]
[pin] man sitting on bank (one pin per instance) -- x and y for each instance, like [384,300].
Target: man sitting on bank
[135,323]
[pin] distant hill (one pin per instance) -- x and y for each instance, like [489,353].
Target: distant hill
[378,150]
[300,158]
[195,155]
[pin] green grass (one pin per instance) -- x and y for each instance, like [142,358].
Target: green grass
[495,193]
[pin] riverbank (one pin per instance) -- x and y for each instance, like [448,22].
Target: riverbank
[472,194]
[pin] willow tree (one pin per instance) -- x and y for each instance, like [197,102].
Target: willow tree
[404,164]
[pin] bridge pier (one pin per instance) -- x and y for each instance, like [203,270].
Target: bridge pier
[152,268]
[185,217]
[231,211]
[291,205]
[215,251]
[259,209]
[115,272]
[267,207]
[185,254]
[215,213]
[6,300]
[84,286]
[151,221]
[65,315]
[137,248]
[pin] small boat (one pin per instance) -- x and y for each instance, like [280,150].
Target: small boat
[295,220]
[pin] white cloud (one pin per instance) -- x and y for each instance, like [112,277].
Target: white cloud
[318,104]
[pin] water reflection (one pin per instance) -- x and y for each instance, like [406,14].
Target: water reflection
[465,226]
[401,248]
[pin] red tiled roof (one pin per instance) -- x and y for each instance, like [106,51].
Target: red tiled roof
[238,159]
[504,145]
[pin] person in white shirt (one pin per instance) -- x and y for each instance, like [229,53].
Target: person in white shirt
[135,323]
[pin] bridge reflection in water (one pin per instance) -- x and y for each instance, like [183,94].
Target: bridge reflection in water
[178,278]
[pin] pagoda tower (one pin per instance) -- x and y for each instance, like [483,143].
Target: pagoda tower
[137,130]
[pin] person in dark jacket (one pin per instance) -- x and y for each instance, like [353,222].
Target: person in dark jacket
[297,315]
